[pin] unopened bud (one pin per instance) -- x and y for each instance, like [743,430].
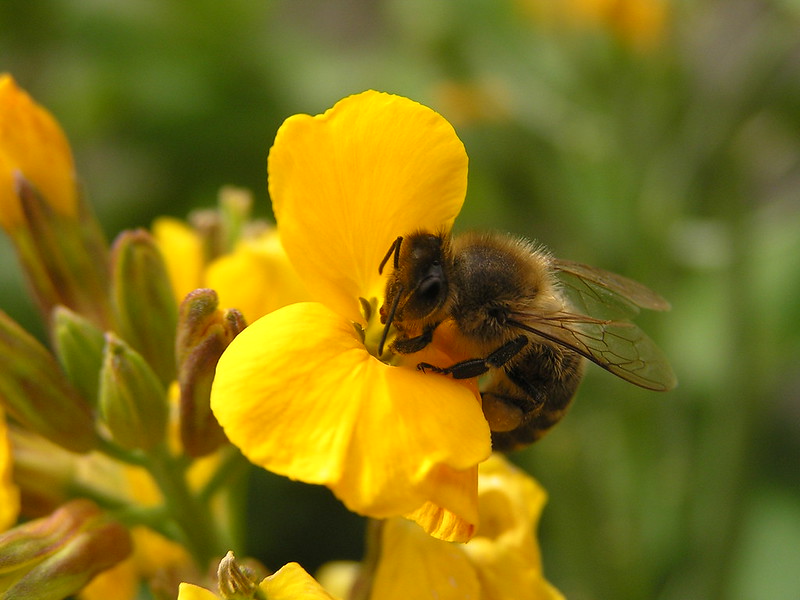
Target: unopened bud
[44,473]
[204,332]
[34,390]
[60,246]
[53,557]
[236,581]
[133,402]
[79,349]
[144,306]
[64,257]
[235,205]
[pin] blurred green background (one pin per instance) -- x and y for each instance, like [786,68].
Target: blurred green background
[657,139]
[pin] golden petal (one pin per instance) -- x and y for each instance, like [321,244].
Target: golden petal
[9,493]
[299,394]
[182,249]
[256,278]
[291,582]
[189,591]
[415,565]
[346,183]
[32,143]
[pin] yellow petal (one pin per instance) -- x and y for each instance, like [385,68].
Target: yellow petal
[346,183]
[120,582]
[32,143]
[189,591]
[339,577]
[256,278]
[448,487]
[182,249]
[291,582]
[415,565]
[504,551]
[9,493]
[511,501]
[299,394]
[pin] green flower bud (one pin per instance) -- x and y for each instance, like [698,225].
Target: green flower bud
[143,302]
[79,349]
[203,334]
[235,205]
[133,402]
[34,390]
[53,557]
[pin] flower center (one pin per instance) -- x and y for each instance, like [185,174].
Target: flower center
[371,334]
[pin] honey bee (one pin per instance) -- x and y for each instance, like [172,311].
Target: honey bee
[526,319]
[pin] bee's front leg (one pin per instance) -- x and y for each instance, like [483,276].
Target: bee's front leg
[474,367]
[414,344]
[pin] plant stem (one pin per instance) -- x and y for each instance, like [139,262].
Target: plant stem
[189,513]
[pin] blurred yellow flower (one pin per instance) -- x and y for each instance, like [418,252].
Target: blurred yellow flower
[183,252]
[501,562]
[255,278]
[638,23]
[299,391]
[33,145]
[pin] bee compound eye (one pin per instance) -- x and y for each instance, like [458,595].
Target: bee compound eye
[430,289]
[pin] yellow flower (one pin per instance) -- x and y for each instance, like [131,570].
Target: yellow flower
[298,391]
[639,23]
[182,249]
[291,582]
[32,144]
[501,562]
[255,278]
[9,493]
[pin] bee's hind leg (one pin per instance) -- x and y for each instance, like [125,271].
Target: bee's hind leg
[473,367]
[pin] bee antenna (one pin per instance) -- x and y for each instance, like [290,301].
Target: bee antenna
[393,249]
[390,316]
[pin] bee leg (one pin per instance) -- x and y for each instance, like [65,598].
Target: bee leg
[473,367]
[414,344]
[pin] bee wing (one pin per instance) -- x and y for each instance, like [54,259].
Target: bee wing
[604,294]
[618,346]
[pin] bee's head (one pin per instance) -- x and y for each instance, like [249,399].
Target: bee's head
[417,289]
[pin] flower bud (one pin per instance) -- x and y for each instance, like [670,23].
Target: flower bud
[79,349]
[203,334]
[235,205]
[144,307]
[35,392]
[133,402]
[61,248]
[44,473]
[53,557]
[237,582]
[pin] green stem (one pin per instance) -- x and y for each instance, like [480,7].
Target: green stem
[131,457]
[189,513]
[231,466]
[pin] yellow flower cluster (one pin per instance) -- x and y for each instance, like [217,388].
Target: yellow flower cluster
[151,390]
[640,24]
